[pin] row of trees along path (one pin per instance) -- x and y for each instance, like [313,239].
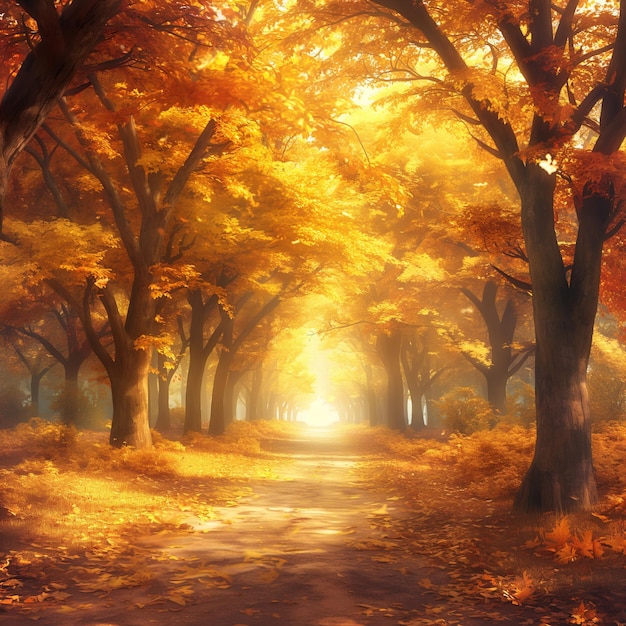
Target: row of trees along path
[569,76]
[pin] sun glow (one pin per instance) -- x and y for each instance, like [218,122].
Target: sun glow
[319,414]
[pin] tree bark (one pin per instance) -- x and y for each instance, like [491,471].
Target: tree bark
[217,423]
[129,393]
[199,352]
[561,477]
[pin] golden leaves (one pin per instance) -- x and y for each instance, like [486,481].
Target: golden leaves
[47,244]
[422,268]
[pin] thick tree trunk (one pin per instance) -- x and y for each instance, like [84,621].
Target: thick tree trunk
[497,379]
[389,350]
[130,425]
[560,477]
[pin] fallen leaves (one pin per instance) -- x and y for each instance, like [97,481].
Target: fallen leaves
[566,545]
[460,556]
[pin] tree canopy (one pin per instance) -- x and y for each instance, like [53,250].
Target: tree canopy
[434,189]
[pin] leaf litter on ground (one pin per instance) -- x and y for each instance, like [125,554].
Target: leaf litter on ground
[77,511]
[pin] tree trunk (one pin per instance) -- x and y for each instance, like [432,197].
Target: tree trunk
[163,422]
[560,477]
[46,72]
[501,331]
[417,411]
[371,396]
[217,422]
[230,399]
[254,398]
[130,425]
[71,389]
[193,392]
[35,388]
[497,380]
[388,347]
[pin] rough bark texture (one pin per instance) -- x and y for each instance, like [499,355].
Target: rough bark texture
[561,475]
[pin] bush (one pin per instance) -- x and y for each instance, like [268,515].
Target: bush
[464,412]
[607,392]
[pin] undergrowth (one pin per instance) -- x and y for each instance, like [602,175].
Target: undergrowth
[491,463]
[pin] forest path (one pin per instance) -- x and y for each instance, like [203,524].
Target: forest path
[319,529]
[310,544]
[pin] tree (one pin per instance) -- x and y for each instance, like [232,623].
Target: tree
[71,356]
[59,46]
[36,362]
[142,177]
[548,70]
[504,361]
[416,359]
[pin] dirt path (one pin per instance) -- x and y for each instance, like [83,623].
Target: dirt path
[310,546]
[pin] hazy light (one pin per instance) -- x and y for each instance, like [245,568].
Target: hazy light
[319,414]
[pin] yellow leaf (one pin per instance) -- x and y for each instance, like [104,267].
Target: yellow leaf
[566,554]
[380,511]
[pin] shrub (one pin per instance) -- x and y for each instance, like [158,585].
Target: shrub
[88,413]
[464,412]
[607,392]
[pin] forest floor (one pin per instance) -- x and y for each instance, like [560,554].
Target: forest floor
[298,526]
